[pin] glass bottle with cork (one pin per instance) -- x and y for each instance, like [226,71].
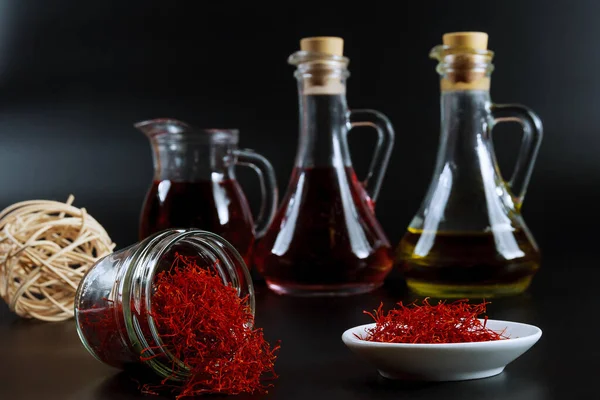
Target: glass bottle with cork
[325,238]
[469,239]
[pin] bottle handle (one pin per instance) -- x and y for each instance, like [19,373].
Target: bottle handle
[530,144]
[383,149]
[268,187]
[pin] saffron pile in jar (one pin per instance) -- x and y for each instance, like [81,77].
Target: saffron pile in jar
[456,322]
[198,328]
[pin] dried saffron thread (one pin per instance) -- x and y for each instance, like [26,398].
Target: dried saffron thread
[207,326]
[457,322]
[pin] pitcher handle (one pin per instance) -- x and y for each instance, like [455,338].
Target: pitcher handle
[530,144]
[268,187]
[383,149]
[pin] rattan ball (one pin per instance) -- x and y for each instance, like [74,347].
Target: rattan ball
[45,249]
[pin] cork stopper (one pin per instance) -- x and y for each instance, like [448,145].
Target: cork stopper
[474,40]
[465,61]
[323,44]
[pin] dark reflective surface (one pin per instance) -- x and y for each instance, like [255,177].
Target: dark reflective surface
[46,361]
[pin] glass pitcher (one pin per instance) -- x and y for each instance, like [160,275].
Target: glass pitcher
[195,186]
[469,238]
[325,239]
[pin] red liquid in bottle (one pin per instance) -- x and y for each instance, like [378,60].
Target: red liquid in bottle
[326,239]
[219,207]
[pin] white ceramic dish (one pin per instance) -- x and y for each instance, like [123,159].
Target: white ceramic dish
[445,362]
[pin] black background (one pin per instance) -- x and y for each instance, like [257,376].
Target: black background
[75,76]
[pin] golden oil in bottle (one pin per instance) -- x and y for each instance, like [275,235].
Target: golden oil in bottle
[468,264]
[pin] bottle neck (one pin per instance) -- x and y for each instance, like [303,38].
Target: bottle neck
[465,123]
[323,121]
[465,108]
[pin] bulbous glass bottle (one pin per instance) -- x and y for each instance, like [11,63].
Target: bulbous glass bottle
[469,238]
[325,238]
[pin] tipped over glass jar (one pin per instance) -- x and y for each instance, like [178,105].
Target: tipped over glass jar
[114,307]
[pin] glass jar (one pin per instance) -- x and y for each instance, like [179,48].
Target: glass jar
[113,308]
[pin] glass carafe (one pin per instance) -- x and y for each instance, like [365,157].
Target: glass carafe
[469,239]
[194,184]
[325,239]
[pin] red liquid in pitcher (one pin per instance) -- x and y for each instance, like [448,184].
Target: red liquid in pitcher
[219,207]
[325,239]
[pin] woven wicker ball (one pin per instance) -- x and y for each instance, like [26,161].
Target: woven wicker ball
[45,249]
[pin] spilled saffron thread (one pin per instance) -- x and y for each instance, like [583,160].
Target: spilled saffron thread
[207,326]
